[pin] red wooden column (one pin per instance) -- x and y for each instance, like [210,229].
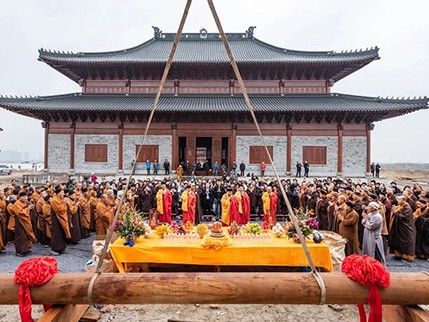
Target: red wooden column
[121,147]
[289,149]
[233,148]
[368,148]
[45,125]
[340,149]
[72,135]
[175,147]
[217,149]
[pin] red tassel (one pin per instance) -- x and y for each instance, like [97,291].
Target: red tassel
[371,273]
[33,272]
[362,313]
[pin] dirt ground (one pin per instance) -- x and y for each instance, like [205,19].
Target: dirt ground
[208,313]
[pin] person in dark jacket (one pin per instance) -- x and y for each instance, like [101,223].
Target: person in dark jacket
[242,168]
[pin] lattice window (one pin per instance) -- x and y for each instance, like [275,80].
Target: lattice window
[148,152]
[257,154]
[314,154]
[95,152]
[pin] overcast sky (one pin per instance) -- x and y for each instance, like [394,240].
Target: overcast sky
[399,28]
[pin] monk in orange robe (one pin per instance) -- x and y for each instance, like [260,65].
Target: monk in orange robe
[3,223]
[60,222]
[74,218]
[85,213]
[93,201]
[229,208]
[24,235]
[10,229]
[104,214]
[47,214]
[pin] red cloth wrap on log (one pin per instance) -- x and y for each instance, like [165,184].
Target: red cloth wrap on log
[371,273]
[33,272]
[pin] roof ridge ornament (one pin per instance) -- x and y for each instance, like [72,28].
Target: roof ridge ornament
[249,31]
[203,33]
[157,33]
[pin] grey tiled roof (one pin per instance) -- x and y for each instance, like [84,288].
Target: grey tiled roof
[209,103]
[194,49]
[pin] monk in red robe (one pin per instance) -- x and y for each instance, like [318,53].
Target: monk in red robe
[164,201]
[243,201]
[269,200]
[189,202]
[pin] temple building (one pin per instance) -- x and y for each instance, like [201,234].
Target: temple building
[202,114]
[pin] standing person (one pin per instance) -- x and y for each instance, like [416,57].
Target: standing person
[224,171]
[93,178]
[322,210]
[217,191]
[60,223]
[164,201]
[215,168]
[74,218]
[372,240]
[3,223]
[349,229]
[339,210]
[402,235]
[377,170]
[189,202]
[85,213]
[373,169]
[24,235]
[179,172]
[243,201]
[155,167]
[269,200]
[234,169]
[242,168]
[206,167]
[306,169]
[263,168]
[206,198]
[148,165]
[298,170]
[229,208]
[103,215]
[167,167]
[421,217]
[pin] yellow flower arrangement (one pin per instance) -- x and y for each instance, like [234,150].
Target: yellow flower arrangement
[162,230]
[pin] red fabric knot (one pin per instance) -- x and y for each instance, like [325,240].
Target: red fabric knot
[33,272]
[370,273]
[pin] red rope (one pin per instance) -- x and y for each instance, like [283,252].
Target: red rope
[33,272]
[370,273]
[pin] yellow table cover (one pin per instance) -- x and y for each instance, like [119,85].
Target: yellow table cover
[278,252]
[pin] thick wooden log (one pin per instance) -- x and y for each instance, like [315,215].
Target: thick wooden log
[222,288]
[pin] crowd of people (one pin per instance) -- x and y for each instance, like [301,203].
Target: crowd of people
[374,218]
